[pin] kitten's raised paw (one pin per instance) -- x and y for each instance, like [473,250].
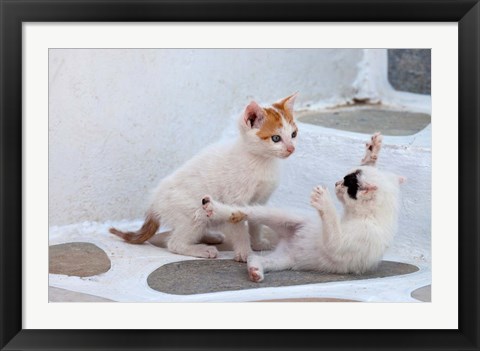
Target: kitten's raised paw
[255,275]
[372,149]
[376,139]
[375,144]
[317,197]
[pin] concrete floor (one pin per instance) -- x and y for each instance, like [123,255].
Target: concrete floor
[148,273]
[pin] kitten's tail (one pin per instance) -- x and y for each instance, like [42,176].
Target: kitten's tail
[148,229]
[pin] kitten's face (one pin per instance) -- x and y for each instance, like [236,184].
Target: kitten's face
[367,188]
[270,131]
[361,185]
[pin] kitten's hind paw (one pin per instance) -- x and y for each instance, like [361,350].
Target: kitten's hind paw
[206,199]
[255,274]
[217,211]
[207,205]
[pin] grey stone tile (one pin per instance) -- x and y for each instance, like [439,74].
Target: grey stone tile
[423,294]
[369,120]
[206,276]
[78,259]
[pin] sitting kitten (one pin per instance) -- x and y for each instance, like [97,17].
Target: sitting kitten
[244,172]
[354,244]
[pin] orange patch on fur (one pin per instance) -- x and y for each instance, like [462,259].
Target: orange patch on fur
[272,123]
[281,105]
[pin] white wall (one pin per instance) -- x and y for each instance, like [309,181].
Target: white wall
[120,120]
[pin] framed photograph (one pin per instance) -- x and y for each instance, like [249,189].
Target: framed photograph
[93,93]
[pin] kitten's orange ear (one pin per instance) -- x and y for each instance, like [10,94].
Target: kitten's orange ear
[287,103]
[254,115]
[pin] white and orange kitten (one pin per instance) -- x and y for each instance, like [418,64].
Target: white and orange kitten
[241,173]
[353,244]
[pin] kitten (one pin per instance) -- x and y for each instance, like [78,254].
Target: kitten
[353,244]
[242,173]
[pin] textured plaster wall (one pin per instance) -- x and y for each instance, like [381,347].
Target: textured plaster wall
[121,120]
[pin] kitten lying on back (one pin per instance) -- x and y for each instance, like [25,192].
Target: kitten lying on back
[353,244]
[245,172]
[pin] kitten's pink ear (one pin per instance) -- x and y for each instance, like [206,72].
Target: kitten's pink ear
[287,103]
[401,179]
[253,116]
[368,188]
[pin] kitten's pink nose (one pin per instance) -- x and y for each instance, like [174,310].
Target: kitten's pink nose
[290,148]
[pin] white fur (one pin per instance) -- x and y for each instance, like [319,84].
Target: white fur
[241,173]
[353,244]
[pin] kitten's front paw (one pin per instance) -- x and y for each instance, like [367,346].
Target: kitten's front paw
[319,197]
[255,274]
[241,256]
[209,252]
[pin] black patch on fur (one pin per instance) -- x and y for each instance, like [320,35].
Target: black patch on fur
[351,182]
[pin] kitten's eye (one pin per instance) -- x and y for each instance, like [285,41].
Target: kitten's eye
[294,134]
[276,138]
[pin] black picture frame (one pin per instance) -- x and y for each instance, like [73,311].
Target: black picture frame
[14,12]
